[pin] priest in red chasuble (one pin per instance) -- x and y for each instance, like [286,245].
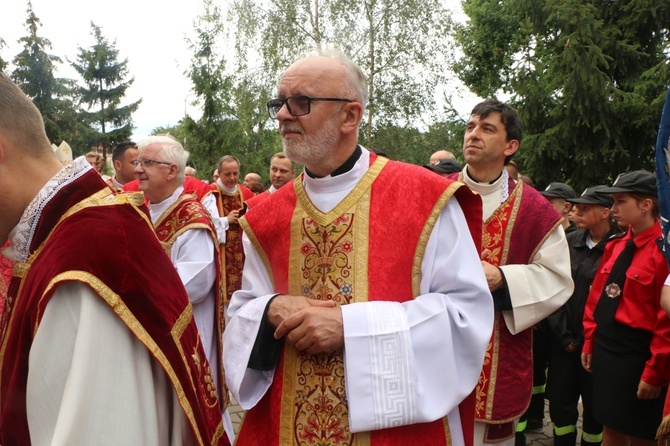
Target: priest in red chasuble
[97,341]
[185,229]
[230,199]
[527,264]
[364,312]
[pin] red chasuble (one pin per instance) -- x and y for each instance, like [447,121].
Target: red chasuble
[365,249]
[232,255]
[253,201]
[184,214]
[513,234]
[134,277]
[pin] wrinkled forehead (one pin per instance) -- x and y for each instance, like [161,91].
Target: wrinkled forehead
[316,76]
[153,150]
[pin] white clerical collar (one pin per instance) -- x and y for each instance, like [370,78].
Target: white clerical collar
[22,234]
[157,209]
[116,183]
[340,182]
[272,190]
[226,189]
[326,193]
[502,184]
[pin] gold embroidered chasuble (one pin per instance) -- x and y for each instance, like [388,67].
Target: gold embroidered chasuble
[232,252]
[329,259]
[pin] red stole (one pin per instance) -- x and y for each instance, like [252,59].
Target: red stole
[184,214]
[353,253]
[505,385]
[232,255]
[6,267]
[149,300]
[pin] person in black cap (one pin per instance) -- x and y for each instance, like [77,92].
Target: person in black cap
[626,333]
[445,167]
[559,195]
[532,420]
[567,380]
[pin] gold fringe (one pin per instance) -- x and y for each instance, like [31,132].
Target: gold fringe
[663,433]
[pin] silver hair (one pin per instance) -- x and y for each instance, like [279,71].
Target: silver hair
[355,81]
[171,152]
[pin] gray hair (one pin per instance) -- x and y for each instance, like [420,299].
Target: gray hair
[171,151]
[355,81]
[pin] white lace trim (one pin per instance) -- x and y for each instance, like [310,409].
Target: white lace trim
[504,190]
[25,230]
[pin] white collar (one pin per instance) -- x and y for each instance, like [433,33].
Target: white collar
[341,182]
[226,189]
[157,209]
[502,184]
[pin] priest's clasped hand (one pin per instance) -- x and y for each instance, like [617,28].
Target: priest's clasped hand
[493,275]
[310,325]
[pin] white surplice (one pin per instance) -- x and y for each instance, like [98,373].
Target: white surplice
[442,334]
[192,255]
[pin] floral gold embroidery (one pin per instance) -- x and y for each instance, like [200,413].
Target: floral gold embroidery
[320,406]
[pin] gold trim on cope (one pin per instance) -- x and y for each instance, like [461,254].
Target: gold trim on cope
[119,307]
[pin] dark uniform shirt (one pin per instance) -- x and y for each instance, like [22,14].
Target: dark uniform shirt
[565,324]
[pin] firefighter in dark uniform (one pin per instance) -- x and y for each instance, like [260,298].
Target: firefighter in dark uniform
[567,380]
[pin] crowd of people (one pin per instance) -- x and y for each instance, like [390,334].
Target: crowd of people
[366,301]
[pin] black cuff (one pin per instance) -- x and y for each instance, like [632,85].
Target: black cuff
[501,298]
[265,353]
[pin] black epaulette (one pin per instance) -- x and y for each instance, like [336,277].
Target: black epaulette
[616,236]
[661,246]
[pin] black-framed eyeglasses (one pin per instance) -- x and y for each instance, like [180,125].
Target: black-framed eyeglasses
[149,163]
[296,105]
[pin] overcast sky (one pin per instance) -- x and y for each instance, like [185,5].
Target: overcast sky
[149,33]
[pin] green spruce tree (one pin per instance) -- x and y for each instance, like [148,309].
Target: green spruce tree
[588,79]
[105,84]
[35,74]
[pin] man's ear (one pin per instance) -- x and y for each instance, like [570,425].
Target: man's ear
[173,171]
[353,114]
[512,147]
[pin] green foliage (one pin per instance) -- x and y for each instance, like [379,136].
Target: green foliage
[588,79]
[233,122]
[400,45]
[105,85]
[3,62]
[34,73]
[414,146]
